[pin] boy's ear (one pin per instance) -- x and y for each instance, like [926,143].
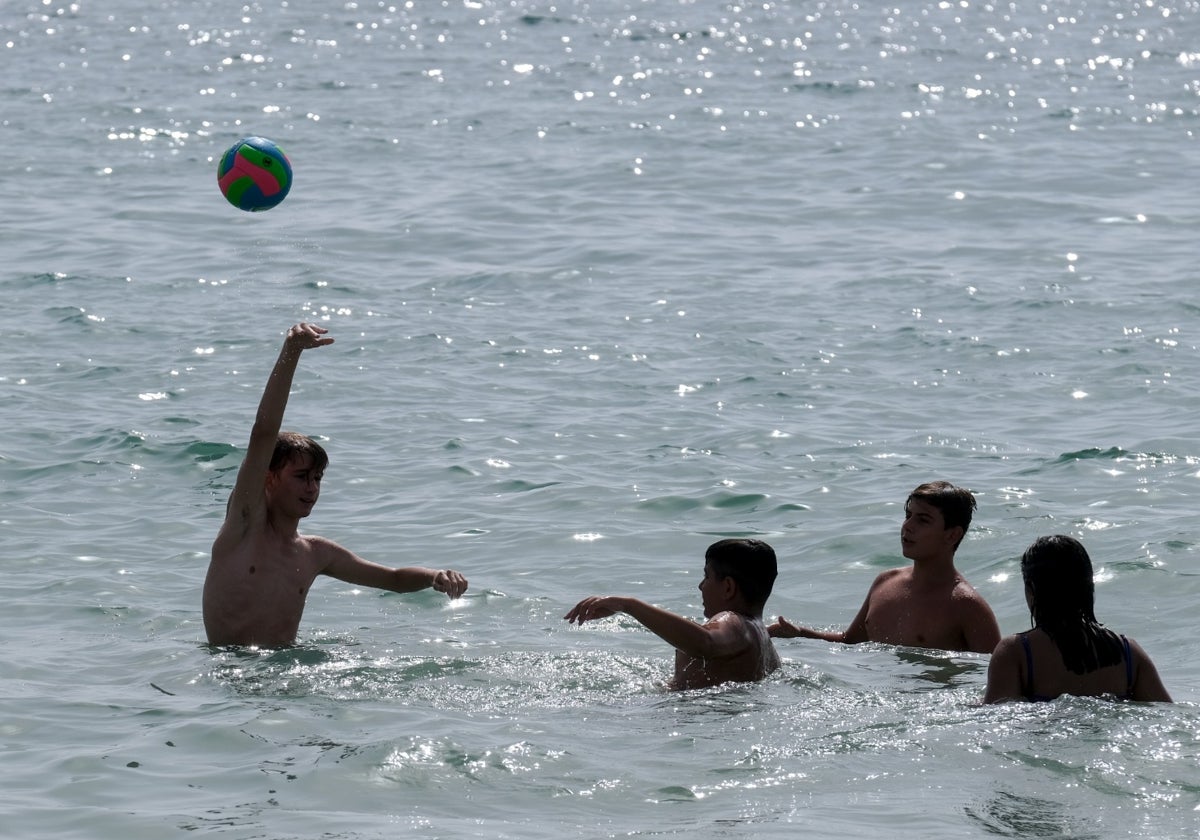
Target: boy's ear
[729,587]
[953,536]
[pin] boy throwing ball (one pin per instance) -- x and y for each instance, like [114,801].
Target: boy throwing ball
[262,567]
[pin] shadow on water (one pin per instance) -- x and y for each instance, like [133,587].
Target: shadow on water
[940,669]
[1010,815]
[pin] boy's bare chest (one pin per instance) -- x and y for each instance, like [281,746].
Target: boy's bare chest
[907,615]
[271,564]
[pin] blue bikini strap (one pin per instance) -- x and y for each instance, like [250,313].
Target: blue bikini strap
[1128,668]
[1028,666]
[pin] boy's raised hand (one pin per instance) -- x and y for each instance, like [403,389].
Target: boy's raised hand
[305,336]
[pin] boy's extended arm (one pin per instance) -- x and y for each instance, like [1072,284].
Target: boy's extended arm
[784,629]
[345,565]
[855,632]
[252,475]
[724,635]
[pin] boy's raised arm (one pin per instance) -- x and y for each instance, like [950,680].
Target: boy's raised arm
[252,475]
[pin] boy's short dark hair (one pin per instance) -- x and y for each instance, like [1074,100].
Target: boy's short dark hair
[956,504]
[751,564]
[293,444]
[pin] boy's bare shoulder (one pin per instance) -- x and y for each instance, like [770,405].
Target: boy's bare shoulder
[890,579]
[965,594]
[731,621]
[324,547]
[889,575]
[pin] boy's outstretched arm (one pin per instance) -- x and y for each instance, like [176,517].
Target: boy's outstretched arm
[345,565]
[723,635]
[784,629]
[855,633]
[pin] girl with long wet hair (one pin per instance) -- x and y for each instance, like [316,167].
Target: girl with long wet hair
[1068,651]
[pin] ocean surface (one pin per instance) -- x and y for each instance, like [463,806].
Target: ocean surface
[609,281]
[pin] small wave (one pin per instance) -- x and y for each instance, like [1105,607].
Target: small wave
[1115,453]
[717,501]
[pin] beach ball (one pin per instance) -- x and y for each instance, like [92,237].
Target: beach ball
[254,174]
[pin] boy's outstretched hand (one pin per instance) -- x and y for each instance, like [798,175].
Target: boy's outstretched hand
[783,629]
[592,608]
[450,582]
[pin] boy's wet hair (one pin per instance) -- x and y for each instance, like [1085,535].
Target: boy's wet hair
[957,504]
[290,445]
[751,564]
[1058,572]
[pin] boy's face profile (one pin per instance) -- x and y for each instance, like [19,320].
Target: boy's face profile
[924,532]
[715,591]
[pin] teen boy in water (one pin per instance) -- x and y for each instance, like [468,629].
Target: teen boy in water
[928,604]
[733,645]
[262,567]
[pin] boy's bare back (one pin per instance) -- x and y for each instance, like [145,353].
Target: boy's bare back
[751,660]
[732,645]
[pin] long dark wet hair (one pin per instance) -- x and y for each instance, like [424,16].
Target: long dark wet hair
[1058,573]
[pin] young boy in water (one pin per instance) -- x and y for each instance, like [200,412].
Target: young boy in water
[262,567]
[928,604]
[733,645]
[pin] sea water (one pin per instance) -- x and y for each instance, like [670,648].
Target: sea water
[608,281]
